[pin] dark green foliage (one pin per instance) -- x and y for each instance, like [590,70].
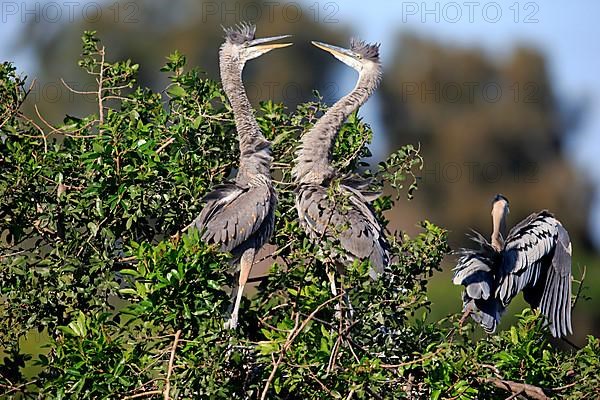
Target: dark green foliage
[93,252]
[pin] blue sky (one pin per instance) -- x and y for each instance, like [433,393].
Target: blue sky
[568,33]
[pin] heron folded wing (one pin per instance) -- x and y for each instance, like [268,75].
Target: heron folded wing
[313,210]
[475,274]
[486,313]
[233,214]
[214,201]
[365,238]
[476,270]
[361,187]
[351,221]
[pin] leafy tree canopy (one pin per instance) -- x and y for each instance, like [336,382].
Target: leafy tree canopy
[94,252]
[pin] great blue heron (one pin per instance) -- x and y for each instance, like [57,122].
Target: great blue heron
[240,216]
[328,205]
[535,258]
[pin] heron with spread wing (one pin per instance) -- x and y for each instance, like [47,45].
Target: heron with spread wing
[329,206]
[535,258]
[239,216]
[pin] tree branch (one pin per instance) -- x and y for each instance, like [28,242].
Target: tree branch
[170,370]
[533,392]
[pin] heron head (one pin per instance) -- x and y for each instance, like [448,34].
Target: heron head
[242,46]
[499,212]
[360,56]
[500,205]
[500,201]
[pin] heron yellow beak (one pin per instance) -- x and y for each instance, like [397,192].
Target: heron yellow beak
[268,47]
[346,56]
[258,43]
[335,50]
[257,48]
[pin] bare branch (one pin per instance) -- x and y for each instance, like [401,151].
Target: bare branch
[165,144]
[76,91]
[170,370]
[11,388]
[532,391]
[42,133]
[143,394]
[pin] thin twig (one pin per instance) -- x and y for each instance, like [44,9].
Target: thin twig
[580,287]
[15,388]
[514,396]
[323,386]
[561,388]
[493,368]
[356,152]
[43,134]
[37,111]
[59,131]
[10,112]
[16,253]
[333,355]
[165,144]
[76,91]
[100,81]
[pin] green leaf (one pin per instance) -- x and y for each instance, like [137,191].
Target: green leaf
[176,91]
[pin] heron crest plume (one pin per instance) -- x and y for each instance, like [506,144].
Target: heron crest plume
[240,33]
[366,50]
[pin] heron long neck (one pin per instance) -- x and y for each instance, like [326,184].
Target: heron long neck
[314,156]
[499,232]
[255,150]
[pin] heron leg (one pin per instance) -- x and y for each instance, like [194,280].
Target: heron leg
[246,262]
[466,312]
[334,292]
[331,276]
[347,300]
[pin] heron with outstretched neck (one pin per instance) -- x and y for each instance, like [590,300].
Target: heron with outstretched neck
[329,206]
[535,258]
[239,216]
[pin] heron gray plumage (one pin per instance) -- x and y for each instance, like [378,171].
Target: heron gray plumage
[328,205]
[239,216]
[535,258]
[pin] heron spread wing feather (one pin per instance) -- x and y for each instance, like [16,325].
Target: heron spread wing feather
[527,254]
[553,294]
[531,240]
[232,215]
